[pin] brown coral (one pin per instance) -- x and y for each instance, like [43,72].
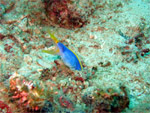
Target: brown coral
[60,13]
[107,101]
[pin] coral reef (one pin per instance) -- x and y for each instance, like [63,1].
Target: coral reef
[28,95]
[107,101]
[5,104]
[4,108]
[33,82]
[64,14]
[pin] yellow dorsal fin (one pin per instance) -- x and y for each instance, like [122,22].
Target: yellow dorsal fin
[53,37]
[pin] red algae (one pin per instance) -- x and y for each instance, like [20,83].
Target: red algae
[4,106]
[58,12]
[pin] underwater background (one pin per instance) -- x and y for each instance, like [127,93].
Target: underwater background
[74,56]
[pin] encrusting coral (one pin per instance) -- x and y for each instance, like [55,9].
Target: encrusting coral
[107,101]
[63,13]
[28,95]
[5,105]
